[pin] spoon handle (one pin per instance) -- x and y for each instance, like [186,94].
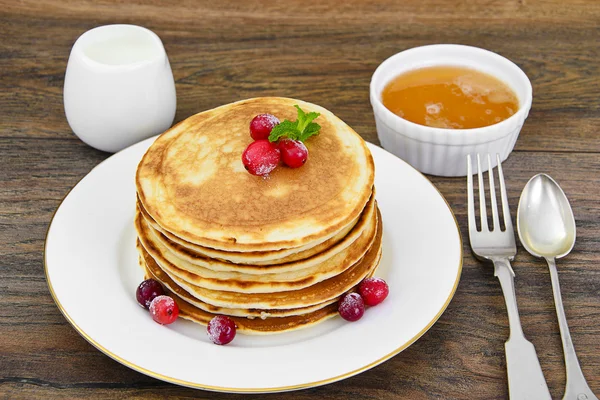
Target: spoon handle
[525,376]
[577,387]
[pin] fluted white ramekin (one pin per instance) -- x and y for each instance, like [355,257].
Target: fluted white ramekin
[439,151]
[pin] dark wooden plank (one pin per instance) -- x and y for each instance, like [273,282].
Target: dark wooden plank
[324,52]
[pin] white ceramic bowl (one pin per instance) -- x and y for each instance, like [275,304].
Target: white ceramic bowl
[439,151]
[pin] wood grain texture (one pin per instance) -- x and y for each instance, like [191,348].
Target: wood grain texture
[323,52]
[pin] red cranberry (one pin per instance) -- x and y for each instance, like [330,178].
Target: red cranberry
[261,157]
[351,307]
[147,291]
[293,152]
[164,310]
[262,125]
[373,291]
[221,329]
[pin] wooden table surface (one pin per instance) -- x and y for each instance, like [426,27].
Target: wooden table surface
[323,52]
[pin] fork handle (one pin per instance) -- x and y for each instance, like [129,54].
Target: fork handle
[525,376]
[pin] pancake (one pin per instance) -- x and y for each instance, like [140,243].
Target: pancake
[158,245]
[192,182]
[169,284]
[253,326]
[271,280]
[249,257]
[259,326]
[316,294]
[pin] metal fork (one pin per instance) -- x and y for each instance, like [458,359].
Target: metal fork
[525,376]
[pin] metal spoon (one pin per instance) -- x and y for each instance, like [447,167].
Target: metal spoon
[546,229]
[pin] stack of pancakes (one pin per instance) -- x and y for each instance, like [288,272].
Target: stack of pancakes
[274,253]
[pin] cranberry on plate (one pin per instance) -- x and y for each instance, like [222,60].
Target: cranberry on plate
[164,310]
[373,291]
[147,291]
[351,307]
[221,330]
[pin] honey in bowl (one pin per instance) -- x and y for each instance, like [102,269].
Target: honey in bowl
[450,97]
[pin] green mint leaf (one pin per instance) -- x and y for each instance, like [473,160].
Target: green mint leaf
[286,128]
[312,129]
[301,129]
[301,117]
[305,119]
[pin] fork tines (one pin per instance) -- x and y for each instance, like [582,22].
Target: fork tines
[482,203]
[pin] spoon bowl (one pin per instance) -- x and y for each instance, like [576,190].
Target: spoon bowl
[545,221]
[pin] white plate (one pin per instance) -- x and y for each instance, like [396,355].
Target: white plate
[92,271]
